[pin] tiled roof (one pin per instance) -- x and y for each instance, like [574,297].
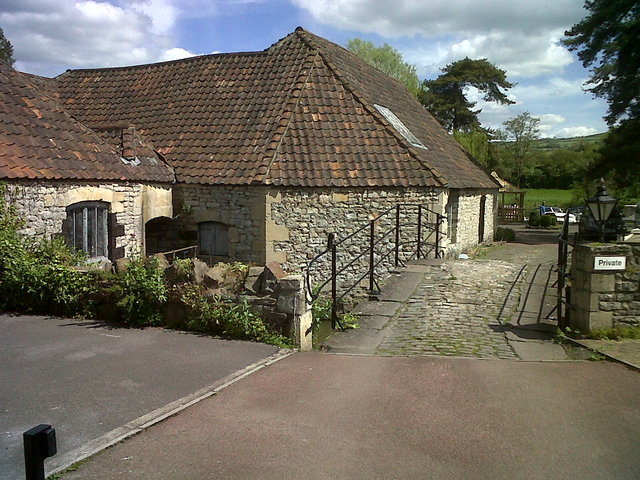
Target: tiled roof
[40,140]
[301,113]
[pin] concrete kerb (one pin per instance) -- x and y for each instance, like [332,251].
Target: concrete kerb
[58,464]
[613,358]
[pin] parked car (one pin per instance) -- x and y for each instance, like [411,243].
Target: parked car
[577,212]
[614,227]
[558,213]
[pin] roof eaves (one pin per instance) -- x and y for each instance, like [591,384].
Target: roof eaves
[303,34]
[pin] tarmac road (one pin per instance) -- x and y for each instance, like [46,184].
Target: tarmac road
[86,379]
[324,416]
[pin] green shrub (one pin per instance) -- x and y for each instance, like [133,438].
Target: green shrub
[140,292]
[219,317]
[504,235]
[36,276]
[534,218]
[547,221]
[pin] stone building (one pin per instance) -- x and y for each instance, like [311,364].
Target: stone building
[97,188]
[263,153]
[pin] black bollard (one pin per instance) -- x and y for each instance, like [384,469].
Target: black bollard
[39,443]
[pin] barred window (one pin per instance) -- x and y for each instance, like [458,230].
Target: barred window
[86,228]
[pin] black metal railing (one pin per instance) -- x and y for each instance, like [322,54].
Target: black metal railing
[563,300]
[397,235]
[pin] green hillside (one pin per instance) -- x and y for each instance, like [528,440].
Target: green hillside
[573,143]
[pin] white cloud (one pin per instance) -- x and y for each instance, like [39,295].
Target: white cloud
[519,54]
[163,14]
[521,37]
[575,132]
[395,18]
[175,54]
[549,123]
[50,36]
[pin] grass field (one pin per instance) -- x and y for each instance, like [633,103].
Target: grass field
[550,197]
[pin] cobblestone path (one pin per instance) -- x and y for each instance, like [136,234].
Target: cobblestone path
[457,310]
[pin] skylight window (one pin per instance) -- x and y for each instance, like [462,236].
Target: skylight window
[399,126]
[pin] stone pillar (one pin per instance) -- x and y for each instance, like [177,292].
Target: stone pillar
[293,301]
[604,298]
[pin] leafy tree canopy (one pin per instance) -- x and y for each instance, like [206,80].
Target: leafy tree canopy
[388,60]
[445,97]
[519,133]
[6,50]
[619,159]
[607,42]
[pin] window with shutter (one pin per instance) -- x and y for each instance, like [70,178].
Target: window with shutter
[213,239]
[86,228]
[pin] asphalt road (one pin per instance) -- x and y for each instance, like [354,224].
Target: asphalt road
[87,379]
[321,416]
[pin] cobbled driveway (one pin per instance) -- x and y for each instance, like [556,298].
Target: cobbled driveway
[457,310]
[500,305]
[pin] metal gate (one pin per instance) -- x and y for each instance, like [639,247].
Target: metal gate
[563,301]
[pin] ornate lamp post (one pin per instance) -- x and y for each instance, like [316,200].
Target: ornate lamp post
[601,206]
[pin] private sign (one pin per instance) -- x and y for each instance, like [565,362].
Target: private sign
[610,263]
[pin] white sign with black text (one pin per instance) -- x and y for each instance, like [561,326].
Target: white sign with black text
[610,263]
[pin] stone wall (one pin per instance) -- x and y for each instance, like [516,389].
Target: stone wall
[467,225]
[306,217]
[604,298]
[43,207]
[242,209]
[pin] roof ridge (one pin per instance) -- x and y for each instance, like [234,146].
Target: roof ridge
[166,62]
[289,109]
[310,42]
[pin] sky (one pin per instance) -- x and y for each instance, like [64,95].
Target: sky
[519,36]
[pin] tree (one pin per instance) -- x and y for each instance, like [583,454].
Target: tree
[477,144]
[445,97]
[6,50]
[619,158]
[607,42]
[388,60]
[519,133]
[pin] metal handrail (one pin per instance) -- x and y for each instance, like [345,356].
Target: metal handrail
[376,248]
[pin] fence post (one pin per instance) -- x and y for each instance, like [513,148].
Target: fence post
[397,256]
[438,221]
[419,232]
[334,283]
[372,231]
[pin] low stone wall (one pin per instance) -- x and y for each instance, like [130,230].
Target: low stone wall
[604,298]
